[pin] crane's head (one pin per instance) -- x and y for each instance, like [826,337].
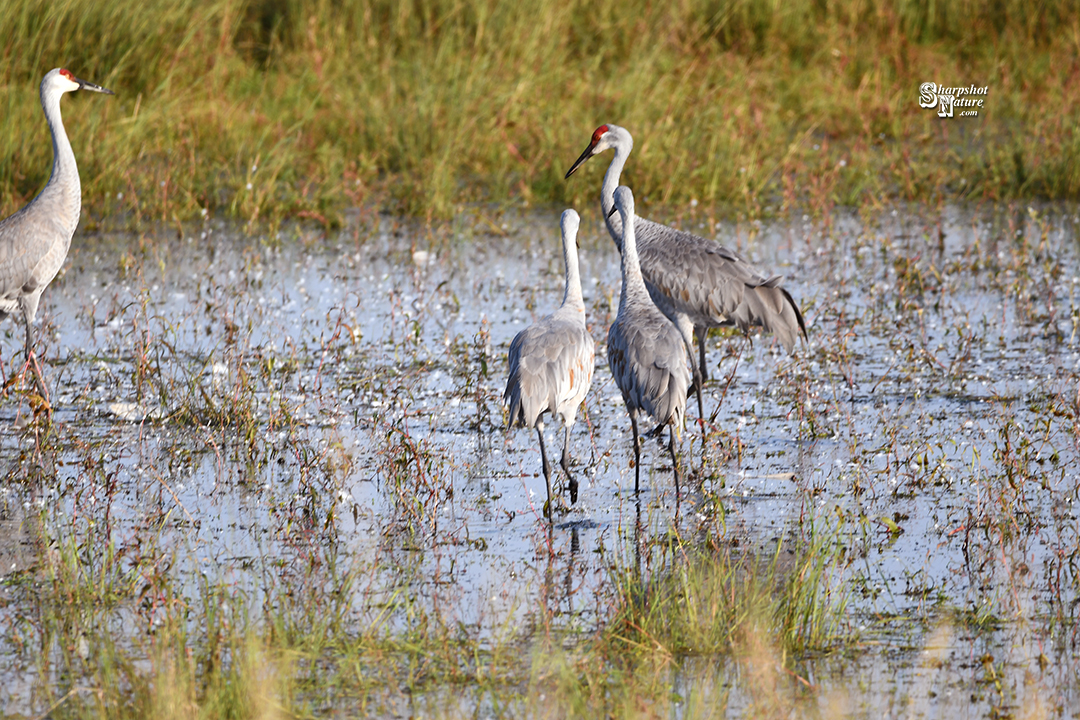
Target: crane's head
[603,138]
[624,202]
[63,80]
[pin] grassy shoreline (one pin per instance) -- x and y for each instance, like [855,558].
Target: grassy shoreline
[276,109]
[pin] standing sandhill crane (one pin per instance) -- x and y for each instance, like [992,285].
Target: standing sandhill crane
[551,363]
[35,240]
[696,282]
[646,354]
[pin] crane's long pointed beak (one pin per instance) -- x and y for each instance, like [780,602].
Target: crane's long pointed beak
[580,161]
[613,211]
[87,85]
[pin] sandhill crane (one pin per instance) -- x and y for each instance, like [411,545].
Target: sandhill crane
[696,282]
[551,363]
[35,240]
[646,354]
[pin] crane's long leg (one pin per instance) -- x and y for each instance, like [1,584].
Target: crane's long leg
[702,333]
[637,452]
[572,482]
[696,387]
[701,374]
[697,382]
[686,329]
[31,360]
[547,468]
[674,459]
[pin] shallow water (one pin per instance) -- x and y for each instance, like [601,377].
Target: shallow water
[258,415]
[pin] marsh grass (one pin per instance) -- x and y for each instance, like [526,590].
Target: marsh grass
[265,588]
[694,618]
[273,109]
[712,598]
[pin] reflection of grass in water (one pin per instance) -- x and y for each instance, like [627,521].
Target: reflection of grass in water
[705,601]
[714,617]
[133,642]
[277,108]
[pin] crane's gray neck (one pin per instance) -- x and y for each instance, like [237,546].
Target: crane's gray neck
[572,294]
[65,174]
[607,193]
[633,285]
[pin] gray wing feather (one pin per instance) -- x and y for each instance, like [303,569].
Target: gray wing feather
[551,363]
[712,284]
[26,238]
[648,361]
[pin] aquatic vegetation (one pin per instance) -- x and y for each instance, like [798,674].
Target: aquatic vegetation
[278,482]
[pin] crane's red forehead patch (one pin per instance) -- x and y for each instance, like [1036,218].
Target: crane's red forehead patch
[598,133]
[67,73]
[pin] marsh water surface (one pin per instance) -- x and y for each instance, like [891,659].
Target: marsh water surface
[267,416]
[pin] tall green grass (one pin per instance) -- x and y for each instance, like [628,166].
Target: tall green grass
[272,109]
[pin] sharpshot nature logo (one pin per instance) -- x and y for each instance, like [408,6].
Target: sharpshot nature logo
[945,99]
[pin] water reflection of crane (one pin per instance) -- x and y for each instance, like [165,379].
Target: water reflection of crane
[549,599]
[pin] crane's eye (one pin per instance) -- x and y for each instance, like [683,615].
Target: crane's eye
[68,74]
[599,133]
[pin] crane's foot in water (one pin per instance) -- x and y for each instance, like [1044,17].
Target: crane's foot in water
[38,394]
[572,486]
[655,432]
[41,407]
[571,481]
[40,402]
[555,506]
